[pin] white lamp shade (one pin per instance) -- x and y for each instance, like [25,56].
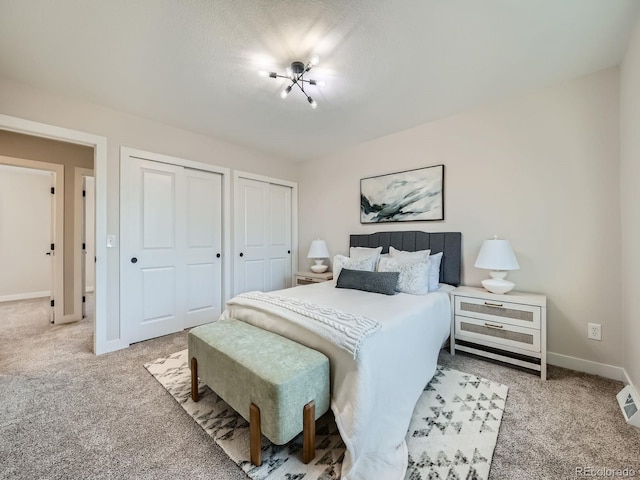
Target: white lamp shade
[318,249]
[497,254]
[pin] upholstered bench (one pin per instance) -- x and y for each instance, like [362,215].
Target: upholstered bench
[279,386]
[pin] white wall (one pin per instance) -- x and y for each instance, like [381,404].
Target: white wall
[630,204]
[25,233]
[123,129]
[541,170]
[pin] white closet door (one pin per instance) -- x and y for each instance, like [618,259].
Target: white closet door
[251,217]
[152,293]
[262,236]
[279,240]
[203,247]
[170,238]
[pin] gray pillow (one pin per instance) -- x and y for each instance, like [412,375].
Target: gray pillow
[376,282]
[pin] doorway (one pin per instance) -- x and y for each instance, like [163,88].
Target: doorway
[30,241]
[106,337]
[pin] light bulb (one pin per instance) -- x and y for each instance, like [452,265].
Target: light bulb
[285,92]
[262,73]
[314,60]
[321,83]
[312,102]
[289,73]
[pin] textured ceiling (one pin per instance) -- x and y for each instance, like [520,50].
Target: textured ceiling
[388,65]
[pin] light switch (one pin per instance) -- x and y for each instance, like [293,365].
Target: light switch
[111,241]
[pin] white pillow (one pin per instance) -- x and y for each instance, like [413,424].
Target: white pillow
[434,271]
[403,256]
[414,276]
[340,261]
[365,252]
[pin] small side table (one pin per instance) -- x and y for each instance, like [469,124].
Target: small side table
[305,278]
[511,328]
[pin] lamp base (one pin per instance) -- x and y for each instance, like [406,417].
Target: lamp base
[319,268]
[498,285]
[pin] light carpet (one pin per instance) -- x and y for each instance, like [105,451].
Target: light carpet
[452,434]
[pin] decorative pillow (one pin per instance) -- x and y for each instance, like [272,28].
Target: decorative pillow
[414,276]
[340,262]
[365,252]
[403,256]
[376,282]
[434,271]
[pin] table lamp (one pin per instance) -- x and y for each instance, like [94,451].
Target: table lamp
[497,256]
[318,251]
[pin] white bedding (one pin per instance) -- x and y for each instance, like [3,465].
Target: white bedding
[373,396]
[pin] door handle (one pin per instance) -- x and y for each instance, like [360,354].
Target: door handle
[134,260]
[289,252]
[48,253]
[217,255]
[241,254]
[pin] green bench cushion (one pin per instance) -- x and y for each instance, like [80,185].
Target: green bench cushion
[244,364]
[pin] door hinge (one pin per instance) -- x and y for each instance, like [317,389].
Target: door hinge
[53,246]
[84,299]
[53,303]
[53,190]
[84,193]
[84,246]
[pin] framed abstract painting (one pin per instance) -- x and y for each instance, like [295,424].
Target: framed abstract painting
[410,196]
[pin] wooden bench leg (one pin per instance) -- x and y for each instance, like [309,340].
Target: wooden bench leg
[309,432]
[255,435]
[194,380]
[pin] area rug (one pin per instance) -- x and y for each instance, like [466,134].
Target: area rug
[452,434]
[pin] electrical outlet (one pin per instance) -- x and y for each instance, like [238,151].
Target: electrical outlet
[595,331]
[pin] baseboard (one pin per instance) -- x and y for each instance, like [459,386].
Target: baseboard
[627,381]
[587,366]
[24,296]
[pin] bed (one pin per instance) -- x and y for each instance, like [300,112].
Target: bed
[378,376]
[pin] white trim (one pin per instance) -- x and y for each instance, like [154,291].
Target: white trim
[126,152]
[24,296]
[586,366]
[102,344]
[57,278]
[237,174]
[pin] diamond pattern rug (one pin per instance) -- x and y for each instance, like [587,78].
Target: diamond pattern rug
[452,434]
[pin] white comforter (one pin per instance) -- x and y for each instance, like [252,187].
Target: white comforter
[373,396]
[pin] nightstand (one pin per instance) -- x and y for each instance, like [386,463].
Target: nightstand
[511,327]
[305,278]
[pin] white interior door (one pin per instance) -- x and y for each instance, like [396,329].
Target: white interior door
[88,239]
[203,247]
[279,237]
[262,236]
[170,241]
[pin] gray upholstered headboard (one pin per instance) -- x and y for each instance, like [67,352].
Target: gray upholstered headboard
[449,243]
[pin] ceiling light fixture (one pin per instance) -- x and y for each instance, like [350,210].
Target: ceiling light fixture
[295,74]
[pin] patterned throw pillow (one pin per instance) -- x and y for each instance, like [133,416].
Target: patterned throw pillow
[340,261]
[376,282]
[414,276]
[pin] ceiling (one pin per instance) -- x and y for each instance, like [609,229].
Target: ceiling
[389,65]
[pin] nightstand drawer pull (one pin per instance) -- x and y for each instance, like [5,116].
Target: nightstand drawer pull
[489,304]
[490,325]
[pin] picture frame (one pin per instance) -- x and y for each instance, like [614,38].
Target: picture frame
[409,196]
